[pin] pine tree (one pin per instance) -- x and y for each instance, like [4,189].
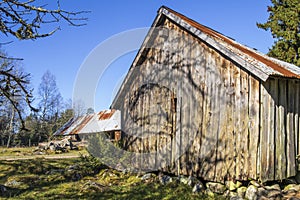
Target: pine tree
[284,24]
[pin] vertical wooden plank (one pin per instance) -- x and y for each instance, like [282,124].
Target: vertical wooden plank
[264,119]
[153,108]
[159,97]
[280,134]
[140,127]
[297,121]
[291,155]
[165,102]
[152,123]
[145,123]
[237,123]
[209,137]
[160,139]
[181,110]
[153,113]
[215,128]
[192,108]
[169,52]
[205,140]
[221,169]
[185,87]
[163,85]
[230,134]
[199,79]
[296,116]
[150,154]
[244,173]
[277,162]
[178,137]
[159,157]
[254,124]
[174,40]
[178,130]
[226,116]
[272,92]
[172,48]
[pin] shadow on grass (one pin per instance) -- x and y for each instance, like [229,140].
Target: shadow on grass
[138,191]
[34,175]
[52,179]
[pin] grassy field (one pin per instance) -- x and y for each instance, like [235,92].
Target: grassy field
[30,153]
[80,178]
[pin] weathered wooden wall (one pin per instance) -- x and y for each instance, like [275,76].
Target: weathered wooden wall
[279,133]
[201,114]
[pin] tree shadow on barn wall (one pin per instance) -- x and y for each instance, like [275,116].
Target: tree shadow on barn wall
[206,136]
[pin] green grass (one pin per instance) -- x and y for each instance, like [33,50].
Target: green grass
[16,151]
[30,153]
[53,179]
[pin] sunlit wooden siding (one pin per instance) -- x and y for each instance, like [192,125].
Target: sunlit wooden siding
[210,117]
[279,132]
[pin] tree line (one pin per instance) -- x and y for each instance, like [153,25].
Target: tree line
[24,20]
[20,126]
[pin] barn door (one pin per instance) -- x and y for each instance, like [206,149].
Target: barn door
[153,111]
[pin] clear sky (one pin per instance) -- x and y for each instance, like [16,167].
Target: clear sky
[65,51]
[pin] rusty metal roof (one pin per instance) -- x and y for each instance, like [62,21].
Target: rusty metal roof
[260,64]
[108,120]
[106,114]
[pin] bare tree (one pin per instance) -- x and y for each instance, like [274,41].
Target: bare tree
[79,108]
[15,87]
[50,97]
[24,20]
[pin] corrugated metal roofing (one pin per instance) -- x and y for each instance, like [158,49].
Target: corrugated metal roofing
[108,120]
[264,64]
[103,115]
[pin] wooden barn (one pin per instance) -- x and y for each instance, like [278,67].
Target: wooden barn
[220,110]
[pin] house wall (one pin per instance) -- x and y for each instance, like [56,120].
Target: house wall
[192,111]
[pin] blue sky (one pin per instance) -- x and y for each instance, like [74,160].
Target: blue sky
[64,52]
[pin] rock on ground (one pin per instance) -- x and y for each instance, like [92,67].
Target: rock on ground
[251,193]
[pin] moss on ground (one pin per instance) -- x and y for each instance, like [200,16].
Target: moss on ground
[81,178]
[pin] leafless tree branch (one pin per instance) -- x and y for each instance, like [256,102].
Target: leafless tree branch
[14,87]
[24,20]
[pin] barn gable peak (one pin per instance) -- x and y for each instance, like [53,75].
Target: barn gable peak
[252,61]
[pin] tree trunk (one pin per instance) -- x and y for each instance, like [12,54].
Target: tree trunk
[11,127]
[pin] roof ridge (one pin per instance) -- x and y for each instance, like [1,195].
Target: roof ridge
[189,19]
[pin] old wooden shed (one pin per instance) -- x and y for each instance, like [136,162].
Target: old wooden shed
[221,110]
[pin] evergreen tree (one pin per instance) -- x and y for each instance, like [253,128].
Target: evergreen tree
[284,24]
